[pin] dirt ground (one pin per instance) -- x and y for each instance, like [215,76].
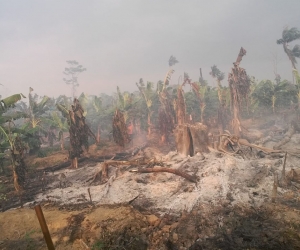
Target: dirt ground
[230,206]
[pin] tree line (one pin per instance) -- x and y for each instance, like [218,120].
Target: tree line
[156,107]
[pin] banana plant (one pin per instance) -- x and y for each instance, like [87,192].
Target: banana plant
[100,115]
[125,103]
[270,94]
[60,123]
[36,125]
[200,92]
[12,141]
[297,77]
[148,95]
[84,100]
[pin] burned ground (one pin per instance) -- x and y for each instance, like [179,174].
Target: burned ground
[230,206]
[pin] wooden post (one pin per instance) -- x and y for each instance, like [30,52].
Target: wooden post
[89,191]
[44,227]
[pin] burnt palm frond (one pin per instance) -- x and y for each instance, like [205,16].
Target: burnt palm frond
[168,77]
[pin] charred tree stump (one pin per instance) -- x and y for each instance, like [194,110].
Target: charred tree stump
[191,139]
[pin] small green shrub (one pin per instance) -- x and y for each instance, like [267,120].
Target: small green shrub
[98,245]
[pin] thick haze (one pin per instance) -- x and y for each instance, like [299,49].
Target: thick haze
[121,41]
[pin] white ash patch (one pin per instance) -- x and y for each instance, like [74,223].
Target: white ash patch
[220,178]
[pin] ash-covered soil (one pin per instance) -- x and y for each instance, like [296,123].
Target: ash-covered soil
[230,206]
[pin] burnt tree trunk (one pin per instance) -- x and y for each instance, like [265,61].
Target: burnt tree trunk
[120,132]
[191,139]
[165,117]
[98,134]
[180,107]
[79,133]
[239,84]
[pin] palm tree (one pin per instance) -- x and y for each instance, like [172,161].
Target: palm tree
[216,73]
[290,35]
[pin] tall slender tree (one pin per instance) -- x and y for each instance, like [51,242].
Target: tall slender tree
[288,36]
[73,71]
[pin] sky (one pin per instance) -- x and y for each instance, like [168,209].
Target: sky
[121,41]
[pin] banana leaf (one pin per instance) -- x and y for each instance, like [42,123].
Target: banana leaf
[10,101]
[12,117]
[43,102]
[63,110]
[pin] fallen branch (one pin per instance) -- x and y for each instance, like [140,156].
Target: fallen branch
[235,140]
[103,173]
[264,149]
[168,170]
[89,191]
[137,162]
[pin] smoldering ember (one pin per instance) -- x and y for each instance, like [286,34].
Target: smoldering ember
[184,166]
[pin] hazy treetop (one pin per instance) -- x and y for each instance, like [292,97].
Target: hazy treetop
[121,41]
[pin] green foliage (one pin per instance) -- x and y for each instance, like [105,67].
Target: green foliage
[192,105]
[2,192]
[265,91]
[10,101]
[30,241]
[98,245]
[41,154]
[211,101]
